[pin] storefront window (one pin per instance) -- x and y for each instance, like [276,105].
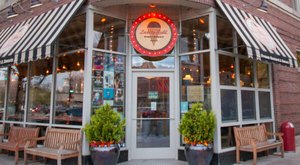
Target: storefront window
[195,80]
[195,35]
[246,73]
[227,137]
[69,89]
[263,75]
[145,62]
[3,83]
[225,34]
[16,92]
[109,33]
[40,91]
[109,81]
[229,105]
[264,105]
[248,105]
[298,58]
[227,70]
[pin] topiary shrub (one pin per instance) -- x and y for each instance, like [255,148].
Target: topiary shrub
[198,125]
[106,127]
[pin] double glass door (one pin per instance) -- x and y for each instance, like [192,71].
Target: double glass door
[153,116]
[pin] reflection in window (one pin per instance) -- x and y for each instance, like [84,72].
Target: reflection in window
[227,70]
[109,33]
[225,34]
[248,105]
[16,92]
[3,82]
[229,105]
[40,91]
[145,62]
[246,73]
[263,75]
[264,105]
[227,137]
[69,89]
[195,35]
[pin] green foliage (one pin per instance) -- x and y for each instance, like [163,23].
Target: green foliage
[106,126]
[198,125]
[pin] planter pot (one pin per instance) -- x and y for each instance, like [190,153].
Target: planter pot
[105,155]
[198,155]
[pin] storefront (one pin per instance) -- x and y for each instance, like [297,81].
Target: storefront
[150,62]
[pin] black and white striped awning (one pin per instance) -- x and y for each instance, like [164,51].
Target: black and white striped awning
[262,40]
[34,38]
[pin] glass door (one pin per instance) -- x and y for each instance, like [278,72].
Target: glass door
[153,116]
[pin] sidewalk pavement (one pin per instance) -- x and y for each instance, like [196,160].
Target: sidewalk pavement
[290,158]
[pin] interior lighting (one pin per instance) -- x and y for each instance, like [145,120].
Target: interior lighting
[188,77]
[78,63]
[103,19]
[152,6]
[201,21]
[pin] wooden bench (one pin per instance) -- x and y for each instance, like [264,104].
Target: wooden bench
[59,144]
[255,139]
[17,138]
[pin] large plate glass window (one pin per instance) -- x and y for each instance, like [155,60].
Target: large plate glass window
[3,83]
[17,92]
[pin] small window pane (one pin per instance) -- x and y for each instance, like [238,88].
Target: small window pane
[263,75]
[248,105]
[225,34]
[226,70]
[16,93]
[227,137]
[3,83]
[264,105]
[246,73]
[229,105]
[195,35]
[109,33]
[298,57]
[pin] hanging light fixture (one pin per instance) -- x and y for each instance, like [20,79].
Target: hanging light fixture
[35,3]
[11,12]
[263,6]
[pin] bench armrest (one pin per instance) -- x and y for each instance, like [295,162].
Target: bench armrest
[276,134]
[33,139]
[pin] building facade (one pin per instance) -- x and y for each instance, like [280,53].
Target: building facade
[150,61]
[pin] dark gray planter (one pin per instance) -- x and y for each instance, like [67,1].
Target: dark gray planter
[105,157]
[198,157]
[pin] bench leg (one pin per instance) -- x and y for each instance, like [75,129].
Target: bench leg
[16,157]
[79,159]
[254,157]
[282,151]
[237,156]
[59,161]
[25,158]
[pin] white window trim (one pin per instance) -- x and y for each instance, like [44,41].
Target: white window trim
[295,13]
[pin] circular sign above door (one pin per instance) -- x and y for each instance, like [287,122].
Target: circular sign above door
[153,34]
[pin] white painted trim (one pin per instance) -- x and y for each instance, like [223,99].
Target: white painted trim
[286,9]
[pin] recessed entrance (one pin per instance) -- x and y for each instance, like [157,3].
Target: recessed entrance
[152,118]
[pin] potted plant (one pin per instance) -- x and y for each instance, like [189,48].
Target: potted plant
[197,127]
[104,133]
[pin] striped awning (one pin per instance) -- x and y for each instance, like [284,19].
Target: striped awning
[34,38]
[262,41]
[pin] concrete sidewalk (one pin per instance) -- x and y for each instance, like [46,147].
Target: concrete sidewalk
[290,158]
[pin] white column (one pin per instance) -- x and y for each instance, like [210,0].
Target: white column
[88,60]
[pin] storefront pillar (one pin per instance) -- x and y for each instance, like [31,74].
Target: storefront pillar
[86,115]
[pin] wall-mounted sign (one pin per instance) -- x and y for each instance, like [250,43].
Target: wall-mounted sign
[14,38]
[195,93]
[260,34]
[153,34]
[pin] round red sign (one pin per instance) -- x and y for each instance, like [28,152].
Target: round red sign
[153,34]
